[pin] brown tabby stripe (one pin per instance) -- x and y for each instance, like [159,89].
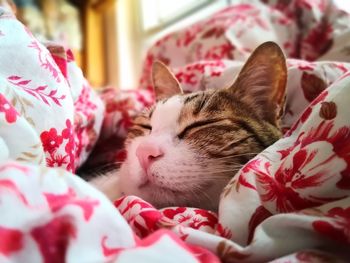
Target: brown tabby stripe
[190,98]
[164,100]
[151,112]
[200,104]
[252,130]
[135,132]
[143,126]
[216,124]
[199,124]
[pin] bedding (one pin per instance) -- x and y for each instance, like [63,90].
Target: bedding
[290,203]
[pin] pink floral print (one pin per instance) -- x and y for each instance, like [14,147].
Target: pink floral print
[298,185]
[6,108]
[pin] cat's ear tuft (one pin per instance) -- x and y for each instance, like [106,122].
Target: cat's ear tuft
[261,83]
[164,82]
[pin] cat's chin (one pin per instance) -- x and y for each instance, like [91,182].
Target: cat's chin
[156,195]
[161,197]
[160,194]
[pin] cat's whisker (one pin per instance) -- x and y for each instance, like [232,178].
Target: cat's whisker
[206,171]
[204,181]
[193,194]
[209,124]
[103,168]
[204,175]
[237,155]
[206,196]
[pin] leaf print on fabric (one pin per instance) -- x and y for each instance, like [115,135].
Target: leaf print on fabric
[33,155]
[46,60]
[21,104]
[10,112]
[337,227]
[38,92]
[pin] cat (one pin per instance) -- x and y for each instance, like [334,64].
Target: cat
[187,147]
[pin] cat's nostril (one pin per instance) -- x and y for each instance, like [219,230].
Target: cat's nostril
[147,153]
[154,157]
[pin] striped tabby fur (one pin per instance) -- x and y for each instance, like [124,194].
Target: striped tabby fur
[206,136]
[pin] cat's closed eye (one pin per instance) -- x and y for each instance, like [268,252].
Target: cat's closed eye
[220,130]
[197,124]
[144,126]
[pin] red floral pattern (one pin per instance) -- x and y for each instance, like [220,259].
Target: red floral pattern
[37,92]
[51,141]
[299,184]
[284,188]
[46,60]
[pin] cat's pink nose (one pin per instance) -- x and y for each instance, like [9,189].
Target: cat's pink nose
[147,153]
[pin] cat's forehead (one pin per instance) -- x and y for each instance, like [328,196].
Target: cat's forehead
[183,108]
[166,113]
[204,104]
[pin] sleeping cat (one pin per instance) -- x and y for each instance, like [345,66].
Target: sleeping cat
[186,148]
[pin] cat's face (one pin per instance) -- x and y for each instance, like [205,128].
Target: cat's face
[185,149]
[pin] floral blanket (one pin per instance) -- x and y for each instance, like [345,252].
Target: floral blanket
[291,203]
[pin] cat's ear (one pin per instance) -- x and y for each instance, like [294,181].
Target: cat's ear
[261,83]
[164,82]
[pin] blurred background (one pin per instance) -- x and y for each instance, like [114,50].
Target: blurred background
[110,38]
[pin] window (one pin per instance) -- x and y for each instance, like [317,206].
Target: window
[159,13]
[141,22]
[345,5]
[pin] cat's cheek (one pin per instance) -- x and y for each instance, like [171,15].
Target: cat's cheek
[132,165]
[129,178]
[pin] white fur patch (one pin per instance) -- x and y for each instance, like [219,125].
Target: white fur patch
[176,175]
[165,116]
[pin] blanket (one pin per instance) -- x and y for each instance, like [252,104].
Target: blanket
[288,204]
